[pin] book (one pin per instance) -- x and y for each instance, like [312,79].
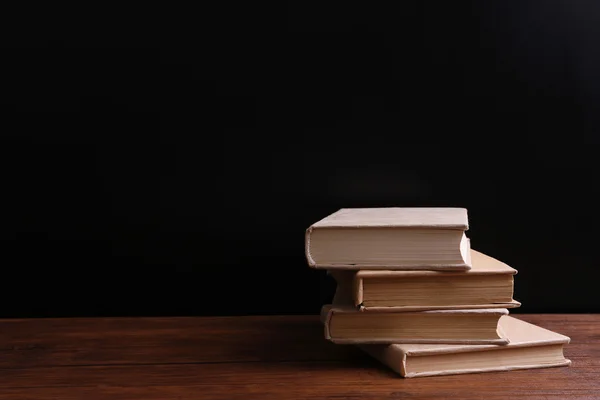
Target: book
[530,346]
[347,325]
[488,284]
[390,238]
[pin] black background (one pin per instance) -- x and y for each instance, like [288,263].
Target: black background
[167,161]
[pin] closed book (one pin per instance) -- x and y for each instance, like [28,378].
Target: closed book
[488,284]
[530,346]
[347,325]
[393,238]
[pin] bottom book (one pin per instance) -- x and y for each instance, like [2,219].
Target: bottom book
[530,346]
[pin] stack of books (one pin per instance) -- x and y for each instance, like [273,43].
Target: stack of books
[413,294]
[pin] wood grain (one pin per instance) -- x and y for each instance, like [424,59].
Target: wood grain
[253,357]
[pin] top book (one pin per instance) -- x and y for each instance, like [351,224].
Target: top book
[390,238]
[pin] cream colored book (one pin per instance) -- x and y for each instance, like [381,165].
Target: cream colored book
[347,325]
[488,284]
[391,239]
[530,347]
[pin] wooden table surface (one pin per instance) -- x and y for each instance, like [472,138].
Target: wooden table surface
[280,357]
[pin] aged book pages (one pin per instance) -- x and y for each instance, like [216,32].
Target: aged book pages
[347,325]
[488,284]
[530,347]
[390,238]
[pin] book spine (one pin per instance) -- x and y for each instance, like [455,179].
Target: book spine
[357,290]
[309,259]
[326,314]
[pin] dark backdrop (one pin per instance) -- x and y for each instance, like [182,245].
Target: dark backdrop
[167,162]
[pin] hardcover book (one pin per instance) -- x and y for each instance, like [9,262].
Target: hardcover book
[390,239]
[488,284]
[530,347]
[347,325]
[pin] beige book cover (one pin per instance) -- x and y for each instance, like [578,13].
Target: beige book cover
[391,238]
[530,346]
[488,284]
[347,325]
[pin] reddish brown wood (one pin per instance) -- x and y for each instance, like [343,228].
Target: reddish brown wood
[253,357]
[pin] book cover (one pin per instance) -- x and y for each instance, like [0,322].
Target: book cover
[530,346]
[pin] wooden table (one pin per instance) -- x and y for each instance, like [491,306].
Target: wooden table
[253,358]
